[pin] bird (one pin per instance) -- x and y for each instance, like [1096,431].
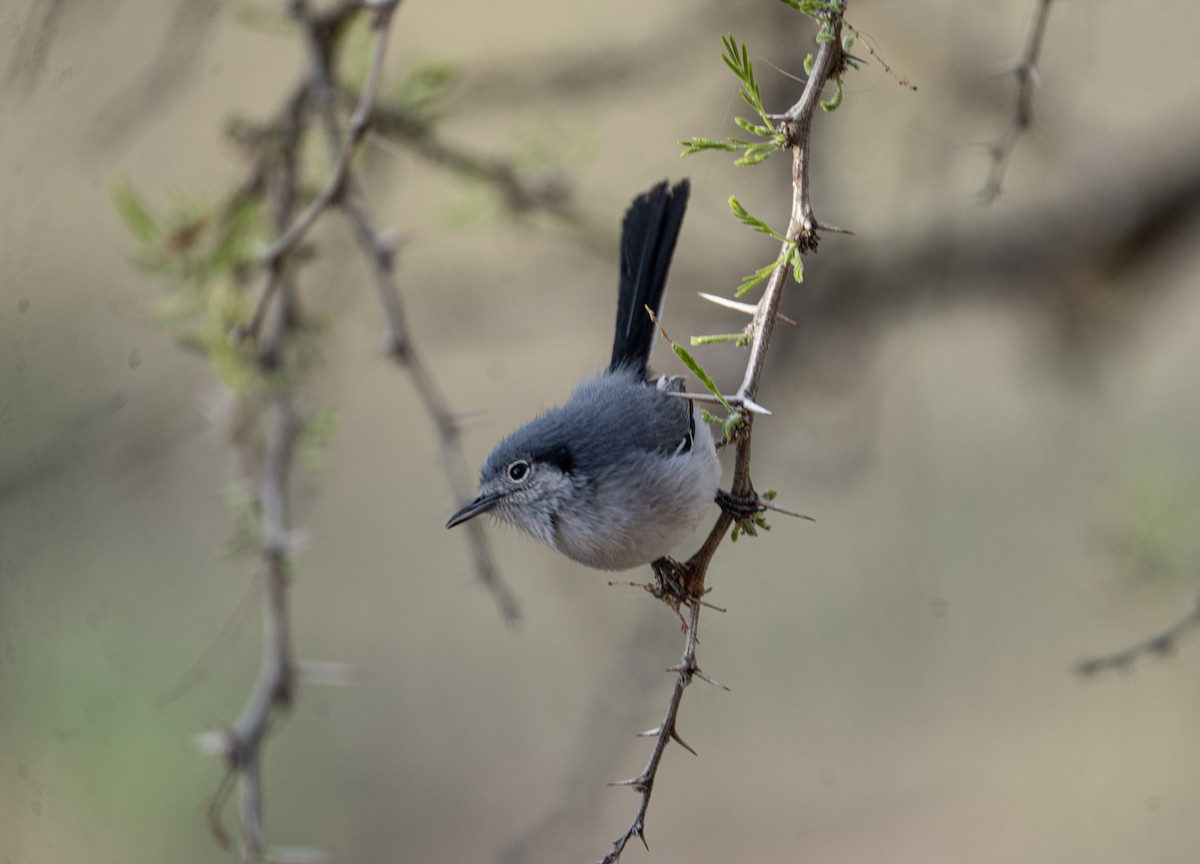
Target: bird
[621,473]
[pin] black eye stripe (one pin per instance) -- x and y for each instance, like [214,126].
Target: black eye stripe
[559,456]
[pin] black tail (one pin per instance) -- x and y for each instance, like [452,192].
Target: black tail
[648,237]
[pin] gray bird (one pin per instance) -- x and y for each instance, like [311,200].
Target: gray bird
[620,474]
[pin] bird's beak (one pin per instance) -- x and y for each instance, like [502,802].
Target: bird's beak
[482,504]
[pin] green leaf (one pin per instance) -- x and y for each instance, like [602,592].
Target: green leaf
[134,212]
[423,94]
[754,158]
[797,262]
[737,58]
[833,103]
[734,417]
[811,8]
[808,64]
[314,437]
[740,338]
[752,221]
[731,422]
[754,128]
[698,371]
[758,276]
[695,145]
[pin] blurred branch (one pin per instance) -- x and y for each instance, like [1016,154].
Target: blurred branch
[274,257]
[1025,69]
[795,126]
[519,194]
[37,32]
[242,744]
[380,252]
[1162,645]
[274,689]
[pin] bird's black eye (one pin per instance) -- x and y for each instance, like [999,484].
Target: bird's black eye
[518,470]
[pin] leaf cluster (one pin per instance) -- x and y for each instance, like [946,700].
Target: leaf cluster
[206,256]
[789,254]
[771,140]
[414,106]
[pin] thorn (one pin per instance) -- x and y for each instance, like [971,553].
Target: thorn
[218,742]
[708,679]
[735,401]
[638,783]
[833,229]
[650,733]
[752,406]
[324,672]
[682,743]
[622,583]
[770,505]
[748,308]
[641,835]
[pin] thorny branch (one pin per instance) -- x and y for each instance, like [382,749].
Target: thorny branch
[1161,644]
[1025,69]
[803,228]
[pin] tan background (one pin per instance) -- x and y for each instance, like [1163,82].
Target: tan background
[1004,481]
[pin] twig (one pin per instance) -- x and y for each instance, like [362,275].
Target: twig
[275,684]
[666,731]
[803,225]
[380,252]
[519,194]
[902,80]
[272,259]
[1022,117]
[796,124]
[359,122]
[1161,644]
[241,744]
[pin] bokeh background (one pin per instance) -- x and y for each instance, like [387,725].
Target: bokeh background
[990,411]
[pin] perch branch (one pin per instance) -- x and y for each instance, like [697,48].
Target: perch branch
[802,232]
